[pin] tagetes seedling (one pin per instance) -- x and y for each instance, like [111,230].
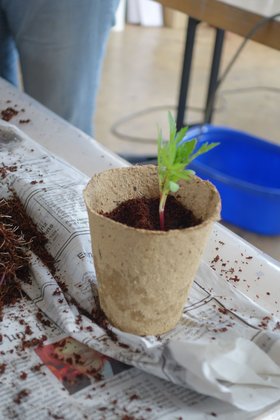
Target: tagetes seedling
[173,158]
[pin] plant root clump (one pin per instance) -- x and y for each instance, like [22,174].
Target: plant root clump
[18,236]
[13,261]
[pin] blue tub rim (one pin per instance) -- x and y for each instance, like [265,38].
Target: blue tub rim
[196,132]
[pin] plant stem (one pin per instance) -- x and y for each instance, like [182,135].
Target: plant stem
[162,202]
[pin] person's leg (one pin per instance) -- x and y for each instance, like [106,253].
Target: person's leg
[61,46]
[8,54]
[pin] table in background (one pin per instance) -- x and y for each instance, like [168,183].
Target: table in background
[237,16]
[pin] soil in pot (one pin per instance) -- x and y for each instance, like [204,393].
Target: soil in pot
[142,213]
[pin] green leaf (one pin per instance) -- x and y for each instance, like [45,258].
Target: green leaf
[186,175]
[174,187]
[164,155]
[172,152]
[172,127]
[178,166]
[173,158]
[185,150]
[203,149]
[179,136]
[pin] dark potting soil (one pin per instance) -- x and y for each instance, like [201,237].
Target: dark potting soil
[143,213]
[8,113]
[13,213]
[18,235]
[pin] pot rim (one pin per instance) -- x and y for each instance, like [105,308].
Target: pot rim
[212,218]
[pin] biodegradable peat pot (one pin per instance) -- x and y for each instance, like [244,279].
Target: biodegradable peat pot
[143,275]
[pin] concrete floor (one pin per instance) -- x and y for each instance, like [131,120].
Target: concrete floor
[141,75]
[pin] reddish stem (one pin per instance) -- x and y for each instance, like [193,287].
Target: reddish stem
[161,219]
[162,202]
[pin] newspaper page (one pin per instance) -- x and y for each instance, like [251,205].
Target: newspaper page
[225,345]
[46,374]
[61,378]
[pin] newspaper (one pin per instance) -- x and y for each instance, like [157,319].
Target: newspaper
[225,347]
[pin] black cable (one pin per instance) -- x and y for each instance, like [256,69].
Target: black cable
[145,140]
[250,89]
[130,117]
[248,36]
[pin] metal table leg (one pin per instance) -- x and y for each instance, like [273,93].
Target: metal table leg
[186,70]
[213,79]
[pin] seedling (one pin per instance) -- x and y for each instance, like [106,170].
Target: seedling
[174,156]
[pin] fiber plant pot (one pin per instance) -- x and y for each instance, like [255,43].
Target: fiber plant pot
[144,276]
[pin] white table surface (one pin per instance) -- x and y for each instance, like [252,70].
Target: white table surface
[260,7]
[89,156]
[69,143]
[56,134]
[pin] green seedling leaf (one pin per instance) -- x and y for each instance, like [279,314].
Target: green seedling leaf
[173,158]
[181,134]
[174,187]
[172,127]
[186,149]
[203,149]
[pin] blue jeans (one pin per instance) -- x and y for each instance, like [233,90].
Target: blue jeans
[61,45]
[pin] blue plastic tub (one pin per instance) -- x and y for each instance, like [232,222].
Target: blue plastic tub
[246,171]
